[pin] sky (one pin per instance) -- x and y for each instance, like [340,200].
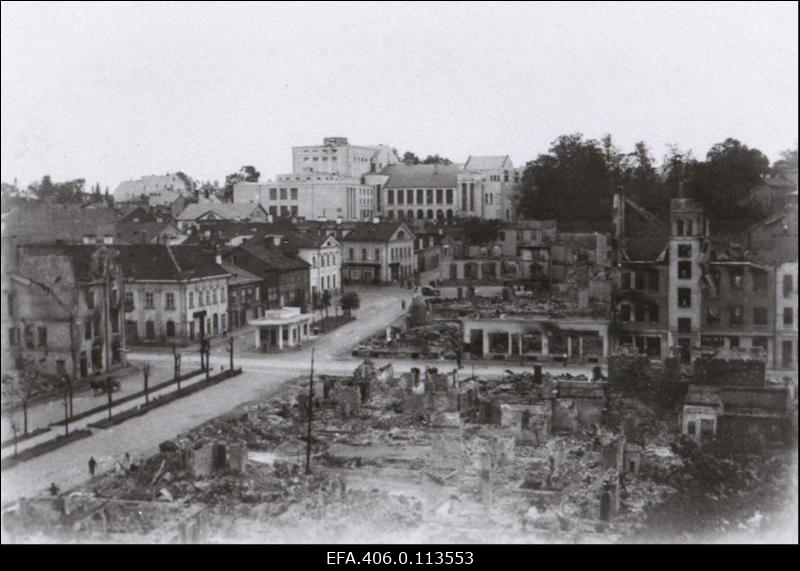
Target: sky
[114,91]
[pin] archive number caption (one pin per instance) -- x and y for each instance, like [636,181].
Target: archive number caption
[400,558]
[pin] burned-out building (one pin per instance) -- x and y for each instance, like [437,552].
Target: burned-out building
[64,309]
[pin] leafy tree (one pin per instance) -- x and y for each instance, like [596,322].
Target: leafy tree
[642,183]
[724,180]
[478,231]
[246,174]
[410,158]
[350,302]
[69,192]
[436,160]
[787,161]
[573,182]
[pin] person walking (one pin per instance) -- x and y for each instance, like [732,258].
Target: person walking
[54,489]
[92,465]
[404,304]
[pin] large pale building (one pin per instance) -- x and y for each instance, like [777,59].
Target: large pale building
[327,181]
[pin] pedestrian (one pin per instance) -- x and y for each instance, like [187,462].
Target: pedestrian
[126,462]
[404,304]
[54,489]
[92,465]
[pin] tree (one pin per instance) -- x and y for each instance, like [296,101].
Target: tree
[724,180]
[325,301]
[69,192]
[436,160]
[787,161]
[573,182]
[350,302]
[642,183]
[478,231]
[246,174]
[410,158]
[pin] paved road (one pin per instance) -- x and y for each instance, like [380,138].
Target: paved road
[263,374]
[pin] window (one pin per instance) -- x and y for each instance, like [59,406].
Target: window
[788,316]
[170,328]
[284,211]
[625,312]
[191,299]
[684,270]
[149,300]
[42,334]
[654,314]
[734,341]
[200,298]
[736,315]
[273,194]
[737,279]
[363,254]
[389,197]
[439,196]
[761,343]
[679,227]
[626,280]
[208,297]
[377,254]
[638,279]
[293,193]
[712,314]
[90,299]
[214,298]
[13,336]
[87,329]
[759,316]
[283,194]
[129,298]
[639,313]
[684,325]
[429,196]
[169,301]
[652,282]
[401,197]
[293,210]
[352,257]
[788,285]
[760,281]
[449,196]
[684,297]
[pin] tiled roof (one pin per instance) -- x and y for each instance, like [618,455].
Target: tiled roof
[141,232]
[226,210]
[42,223]
[375,232]
[239,276]
[421,176]
[486,163]
[273,257]
[160,262]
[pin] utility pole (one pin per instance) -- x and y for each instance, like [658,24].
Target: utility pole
[230,342]
[207,344]
[15,430]
[310,413]
[175,372]
[25,416]
[108,391]
[66,414]
[146,371]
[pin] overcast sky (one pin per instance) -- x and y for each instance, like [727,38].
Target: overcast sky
[114,91]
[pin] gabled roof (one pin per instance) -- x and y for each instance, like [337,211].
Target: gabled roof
[271,256]
[129,232]
[421,176]
[376,232]
[42,223]
[170,263]
[225,210]
[486,163]
[239,276]
[646,236]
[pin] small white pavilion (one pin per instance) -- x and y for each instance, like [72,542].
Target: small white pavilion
[281,328]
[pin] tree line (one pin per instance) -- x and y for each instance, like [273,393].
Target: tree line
[575,180]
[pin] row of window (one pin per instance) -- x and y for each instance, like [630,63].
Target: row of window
[640,313]
[424,196]
[736,315]
[325,260]
[292,194]
[285,211]
[429,214]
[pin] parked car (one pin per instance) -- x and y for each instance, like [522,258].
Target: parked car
[428,291]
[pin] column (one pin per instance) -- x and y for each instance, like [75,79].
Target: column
[569,345]
[486,343]
[604,335]
[280,337]
[510,347]
[257,338]
[545,345]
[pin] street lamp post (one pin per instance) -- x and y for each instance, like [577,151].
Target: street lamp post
[230,349]
[146,371]
[108,391]
[66,413]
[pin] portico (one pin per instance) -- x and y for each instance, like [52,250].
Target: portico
[281,328]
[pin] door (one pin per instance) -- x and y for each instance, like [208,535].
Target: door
[84,365]
[787,359]
[476,342]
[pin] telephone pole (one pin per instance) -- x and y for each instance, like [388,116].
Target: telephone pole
[310,413]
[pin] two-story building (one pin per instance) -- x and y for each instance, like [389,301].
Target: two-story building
[378,252]
[174,295]
[322,252]
[244,296]
[285,280]
[63,305]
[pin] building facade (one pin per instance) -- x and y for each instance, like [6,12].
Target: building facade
[378,252]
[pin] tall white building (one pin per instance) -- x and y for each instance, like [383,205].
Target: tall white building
[327,181]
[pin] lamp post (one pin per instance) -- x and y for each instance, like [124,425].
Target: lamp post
[230,349]
[146,371]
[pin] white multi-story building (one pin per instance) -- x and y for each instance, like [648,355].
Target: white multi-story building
[323,253]
[786,316]
[159,189]
[327,181]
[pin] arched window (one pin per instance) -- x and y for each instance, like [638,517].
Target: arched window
[440,214]
[430,214]
[410,214]
[420,214]
[449,214]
